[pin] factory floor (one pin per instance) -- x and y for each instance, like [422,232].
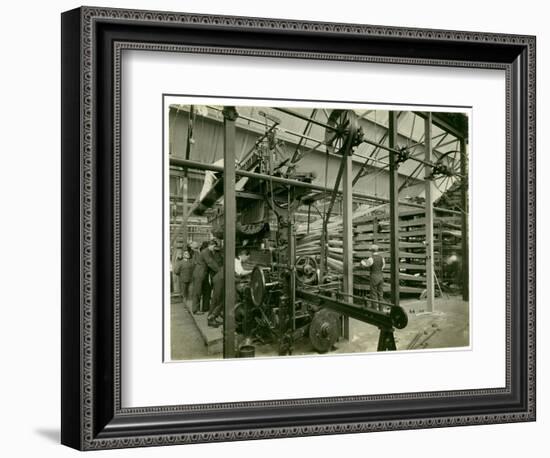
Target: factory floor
[187,341]
[446,327]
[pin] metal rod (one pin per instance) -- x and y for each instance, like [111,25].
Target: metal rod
[365,299]
[305,132]
[443,136]
[366,315]
[256,143]
[326,126]
[395,151]
[262,123]
[305,118]
[412,131]
[326,217]
[177,162]
[369,158]
[335,192]
[410,177]
[380,146]
[450,142]
[421,141]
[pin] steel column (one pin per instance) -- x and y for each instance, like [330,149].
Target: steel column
[184,197]
[188,148]
[429,215]
[464,221]
[348,236]
[292,266]
[347,152]
[291,253]
[394,210]
[229,218]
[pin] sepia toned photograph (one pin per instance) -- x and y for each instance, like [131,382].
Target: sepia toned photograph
[307,229]
[281,228]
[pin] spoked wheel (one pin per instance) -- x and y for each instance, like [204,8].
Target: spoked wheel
[307,270]
[446,170]
[344,124]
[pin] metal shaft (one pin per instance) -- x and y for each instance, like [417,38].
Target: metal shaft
[177,162]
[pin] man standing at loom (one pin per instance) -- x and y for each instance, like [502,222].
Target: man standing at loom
[375,264]
[206,265]
[214,318]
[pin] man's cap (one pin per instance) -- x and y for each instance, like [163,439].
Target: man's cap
[374,247]
[194,245]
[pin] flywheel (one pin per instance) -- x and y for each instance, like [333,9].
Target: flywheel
[324,330]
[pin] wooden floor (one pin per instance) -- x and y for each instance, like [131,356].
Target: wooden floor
[188,337]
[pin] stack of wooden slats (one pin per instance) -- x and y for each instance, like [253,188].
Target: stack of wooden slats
[372,226]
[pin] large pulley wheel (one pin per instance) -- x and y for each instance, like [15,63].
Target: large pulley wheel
[344,125]
[448,164]
[324,330]
[258,285]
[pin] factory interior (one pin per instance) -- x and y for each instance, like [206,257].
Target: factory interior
[316,230]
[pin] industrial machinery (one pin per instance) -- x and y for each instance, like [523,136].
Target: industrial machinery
[269,311]
[289,298]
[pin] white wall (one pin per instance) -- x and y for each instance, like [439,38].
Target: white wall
[30,214]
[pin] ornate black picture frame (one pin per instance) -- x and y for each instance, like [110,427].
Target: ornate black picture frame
[92,416]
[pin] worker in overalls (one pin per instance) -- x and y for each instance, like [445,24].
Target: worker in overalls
[216,311]
[375,264]
[184,270]
[206,264]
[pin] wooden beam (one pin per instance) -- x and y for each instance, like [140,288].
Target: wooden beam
[428,183]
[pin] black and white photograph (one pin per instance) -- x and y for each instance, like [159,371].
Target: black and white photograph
[347,228]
